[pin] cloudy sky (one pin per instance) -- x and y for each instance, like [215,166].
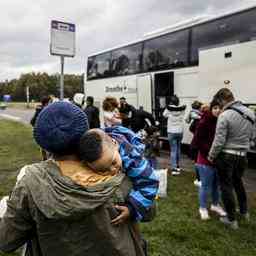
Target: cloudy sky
[100,24]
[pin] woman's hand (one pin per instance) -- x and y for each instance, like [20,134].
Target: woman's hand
[123,216]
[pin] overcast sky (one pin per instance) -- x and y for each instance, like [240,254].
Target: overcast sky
[100,24]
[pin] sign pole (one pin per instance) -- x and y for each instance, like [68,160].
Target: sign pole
[27,94]
[62,78]
[63,45]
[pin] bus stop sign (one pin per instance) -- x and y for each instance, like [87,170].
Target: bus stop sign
[62,38]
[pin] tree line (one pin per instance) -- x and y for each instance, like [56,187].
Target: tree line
[40,84]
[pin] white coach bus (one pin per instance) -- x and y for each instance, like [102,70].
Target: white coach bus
[192,59]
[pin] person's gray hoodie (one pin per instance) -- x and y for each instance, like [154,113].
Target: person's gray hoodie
[233,131]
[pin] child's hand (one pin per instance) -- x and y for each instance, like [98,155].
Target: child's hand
[123,216]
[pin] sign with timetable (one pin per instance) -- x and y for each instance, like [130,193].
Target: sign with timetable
[62,38]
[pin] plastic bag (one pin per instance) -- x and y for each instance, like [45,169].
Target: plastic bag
[162,177]
[3,206]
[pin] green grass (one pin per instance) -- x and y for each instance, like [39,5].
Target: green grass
[21,105]
[177,229]
[17,149]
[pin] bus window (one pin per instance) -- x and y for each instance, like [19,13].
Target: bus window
[236,28]
[167,51]
[98,66]
[126,60]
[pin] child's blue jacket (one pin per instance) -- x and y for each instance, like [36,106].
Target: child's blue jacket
[137,167]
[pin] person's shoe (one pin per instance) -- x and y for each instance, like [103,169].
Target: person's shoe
[218,209]
[175,172]
[232,224]
[204,214]
[197,183]
[245,216]
[179,169]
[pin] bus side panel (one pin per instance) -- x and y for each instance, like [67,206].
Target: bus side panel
[144,88]
[186,88]
[115,87]
[230,66]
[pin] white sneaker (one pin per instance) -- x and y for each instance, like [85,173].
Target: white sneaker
[175,173]
[197,183]
[219,210]
[245,216]
[232,224]
[204,214]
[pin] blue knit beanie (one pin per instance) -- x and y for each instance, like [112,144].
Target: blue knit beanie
[59,127]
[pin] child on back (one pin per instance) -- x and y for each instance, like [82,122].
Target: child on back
[193,119]
[105,153]
[194,115]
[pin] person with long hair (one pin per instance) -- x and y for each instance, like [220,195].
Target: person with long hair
[231,143]
[111,113]
[175,114]
[203,138]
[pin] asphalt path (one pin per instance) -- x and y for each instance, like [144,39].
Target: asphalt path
[19,115]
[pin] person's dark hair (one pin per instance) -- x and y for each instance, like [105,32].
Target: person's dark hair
[214,102]
[174,100]
[224,94]
[45,100]
[90,99]
[90,147]
[110,103]
[122,98]
[196,104]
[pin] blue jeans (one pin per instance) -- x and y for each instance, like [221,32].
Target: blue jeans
[175,145]
[209,180]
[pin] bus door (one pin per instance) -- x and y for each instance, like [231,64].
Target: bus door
[163,89]
[144,95]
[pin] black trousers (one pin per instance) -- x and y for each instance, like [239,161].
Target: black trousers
[230,171]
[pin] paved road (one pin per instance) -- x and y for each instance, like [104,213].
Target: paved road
[20,115]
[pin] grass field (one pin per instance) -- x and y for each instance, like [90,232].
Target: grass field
[17,148]
[177,230]
[21,105]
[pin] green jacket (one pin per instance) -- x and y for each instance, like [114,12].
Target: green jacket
[63,218]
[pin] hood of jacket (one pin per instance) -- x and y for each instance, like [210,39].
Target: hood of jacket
[176,110]
[58,197]
[239,105]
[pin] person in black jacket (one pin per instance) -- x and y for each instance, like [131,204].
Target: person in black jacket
[92,113]
[141,119]
[126,111]
[44,102]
